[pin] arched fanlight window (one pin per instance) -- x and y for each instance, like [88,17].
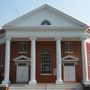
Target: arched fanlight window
[45,61]
[45,22]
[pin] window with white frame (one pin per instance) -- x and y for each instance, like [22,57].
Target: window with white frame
[22,47]
[45,61]
[68,47]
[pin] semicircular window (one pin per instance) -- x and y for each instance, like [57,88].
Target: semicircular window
[45,22]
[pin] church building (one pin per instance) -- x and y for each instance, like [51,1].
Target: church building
[45,46]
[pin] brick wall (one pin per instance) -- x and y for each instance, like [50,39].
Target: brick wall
[45,44]
[88,56]
[2,57]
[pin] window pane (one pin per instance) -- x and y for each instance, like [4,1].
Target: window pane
[45,61]
[68,47]
[23,47]
[45,22]
[68,64]
[21,64]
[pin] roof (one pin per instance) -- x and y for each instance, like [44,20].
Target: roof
[50,8]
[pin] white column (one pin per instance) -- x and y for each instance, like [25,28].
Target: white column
[58,61]
[7,62]
[84,60]
[33,61]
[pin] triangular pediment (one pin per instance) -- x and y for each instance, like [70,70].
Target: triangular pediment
[46,12]
[22,58]
[70,58]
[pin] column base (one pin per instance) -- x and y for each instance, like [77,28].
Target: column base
[59,81]
[86,82]
[32,82]
[6,82]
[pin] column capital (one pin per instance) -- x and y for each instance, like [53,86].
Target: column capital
[33,38]
[8,38]
[58,38]
[84,37]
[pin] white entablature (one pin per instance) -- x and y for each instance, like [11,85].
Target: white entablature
[29,25]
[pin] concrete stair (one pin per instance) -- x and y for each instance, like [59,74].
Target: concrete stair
[65,86]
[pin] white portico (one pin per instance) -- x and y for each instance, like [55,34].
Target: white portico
[44,24]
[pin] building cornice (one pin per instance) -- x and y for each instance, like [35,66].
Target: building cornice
[43,27]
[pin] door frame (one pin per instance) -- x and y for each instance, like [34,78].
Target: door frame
[22,59]
[70,59]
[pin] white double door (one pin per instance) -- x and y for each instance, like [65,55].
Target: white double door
[22,72]
[69,73]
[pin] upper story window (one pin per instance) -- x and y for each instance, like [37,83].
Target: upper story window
[45,61]
[22,47]
[68,47]
[45,22]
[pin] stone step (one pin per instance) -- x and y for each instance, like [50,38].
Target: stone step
[65,86]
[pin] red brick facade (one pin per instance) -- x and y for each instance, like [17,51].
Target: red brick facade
[51,45]
[88,56]
[45,78]
[15,53]
[2,57]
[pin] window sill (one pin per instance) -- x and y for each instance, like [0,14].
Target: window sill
[45,74]
[69,52]
[22,52]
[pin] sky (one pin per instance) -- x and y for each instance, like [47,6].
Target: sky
[11,9]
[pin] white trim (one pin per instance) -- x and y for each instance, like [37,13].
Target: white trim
[50,8]
[73,58]
[69,52]
[46,27]
[22,56]
[18,59]
[45,74]
[22,52]
[66,35]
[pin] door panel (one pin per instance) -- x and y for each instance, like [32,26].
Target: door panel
[69,73]
[25,73]
[19,74]
[22,73]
